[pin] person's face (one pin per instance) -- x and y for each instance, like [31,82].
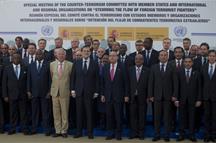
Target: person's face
[78,55]
[139,60]
[110,42]
[16,59]
[163,57]
[212,57]
[204,50]
[75,43]
[186,44]
[39,55]
[88,41]
[115,47]
[193,50]
[18,42]
[139,46]
[86,52]
[188,63]
[42,44]
[95,45]
[105,59]
[178,54]
[100,52]
[147,44]
[12,50]
[31,49]
[58,43]
[113,57]
[4,49]
[25,43]
[123,50]
[166,44]
[61,55]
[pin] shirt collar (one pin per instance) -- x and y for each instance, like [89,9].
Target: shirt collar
[163,63]
[16,65]
[139,67]
[212,64]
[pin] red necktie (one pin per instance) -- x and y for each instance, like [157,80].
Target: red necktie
[60,70]
[112,72]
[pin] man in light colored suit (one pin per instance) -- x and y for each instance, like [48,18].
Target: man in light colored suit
[60,92]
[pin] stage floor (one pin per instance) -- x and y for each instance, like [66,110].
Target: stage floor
[40,138]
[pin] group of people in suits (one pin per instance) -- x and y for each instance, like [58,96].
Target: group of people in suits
[74,87]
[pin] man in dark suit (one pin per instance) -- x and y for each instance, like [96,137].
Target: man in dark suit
[138,85]
[38,85]
[23,50]
[72,51]
[14,92]
[139,50]
[151,55]
[85,88]
[31,54]
[186,46]
[110,41]
[162,90]
[19,42]
[189,97]
[114,93]
[95,46]
[209,97]
[42,46]
[166,47]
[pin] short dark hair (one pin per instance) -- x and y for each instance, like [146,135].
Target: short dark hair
[32,44]
[112,38]
[178,47]
[1,40]
[189,57]
[205,44]
[42,40]
[186,39]
[18,37]
[149,38]
[211,51]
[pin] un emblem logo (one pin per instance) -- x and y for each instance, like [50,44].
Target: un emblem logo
[180,31]
[47,30]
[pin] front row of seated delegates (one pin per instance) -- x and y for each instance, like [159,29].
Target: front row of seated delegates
[60,70]
[14,92]
[114,93]
[38,90]
[162,91]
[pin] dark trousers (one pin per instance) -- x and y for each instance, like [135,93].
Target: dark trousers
[1,115]
[210,118]
[41,106]
[186,117]
[162,109]
[84,105]
[72,116]
[137,116]
[18,109]
[114,118]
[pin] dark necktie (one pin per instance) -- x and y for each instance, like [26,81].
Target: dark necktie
[85,67]
[211,72]
[32,60]
[16,71]
[187,75]
[25,53]
[147,56]
[162,68]
[39,66]
[178,64]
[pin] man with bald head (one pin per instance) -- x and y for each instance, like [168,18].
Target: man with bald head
[60,71]
[138,85]
[114,94]
[162,91]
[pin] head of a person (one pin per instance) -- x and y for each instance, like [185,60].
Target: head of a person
[75,43]
[1,41]
[32,48]
[105,59]
[58,42]
[139,46]
[88,40]
[186,44]
[148,43]
[204,47]
[19,41]
[78,55]
[39,55]
[178,53]
[95,44]
[113,57]
[188,62]
[16,59]
[86,52]
[139,60]
[42,44]
[110,41]
[163,56]
[115,46]
[100,52]
[193,50]
[12,50]
[123,49]
[26,43]
[166,43]
[61,54]
[212,56]
[4,48]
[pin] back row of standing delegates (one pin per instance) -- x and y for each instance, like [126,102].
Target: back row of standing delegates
[124,84]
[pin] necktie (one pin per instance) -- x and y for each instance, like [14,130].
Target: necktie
[205,60]
[39,66]
[94,55]
[138,73]
[147,56]
[162,68]
[25,53]
[85,67]
[211,72]
[178,64]
[112,72]
[16,71]
[60,70]
[187,75]
[122,59]
[32,60]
